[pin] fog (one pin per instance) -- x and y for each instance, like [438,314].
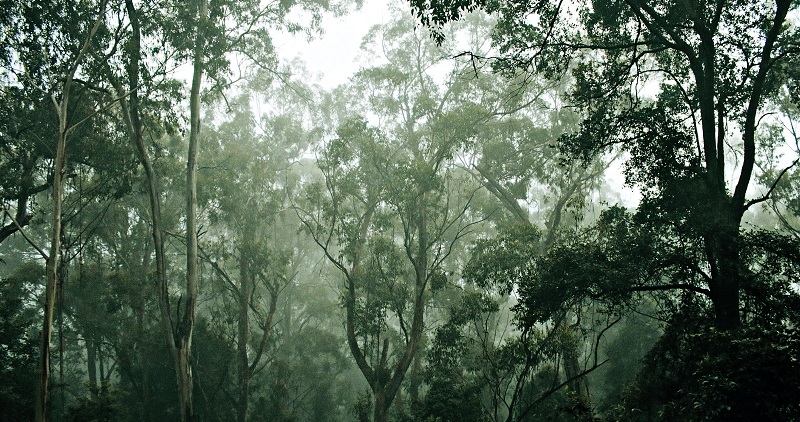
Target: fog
[399,211]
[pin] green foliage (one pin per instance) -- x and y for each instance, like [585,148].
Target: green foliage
[362,407]
[771,298]
[402,183]
[103,405]
[704,374]
[624,258]
[503,261]
[19,350]
[625,347]
[451,400]
[454,385]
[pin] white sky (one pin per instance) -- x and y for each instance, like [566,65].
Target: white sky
[332,57]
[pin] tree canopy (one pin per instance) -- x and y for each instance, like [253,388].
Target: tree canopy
[512,211]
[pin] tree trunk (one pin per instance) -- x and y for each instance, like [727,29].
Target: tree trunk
[723,248]
[52,264]
[577,384]
[186,324]
[381,406]
[61,108]
[145,379]
[243,365]
[91,360]
[415,380]
[132,118]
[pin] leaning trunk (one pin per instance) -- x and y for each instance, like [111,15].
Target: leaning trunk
[131,115]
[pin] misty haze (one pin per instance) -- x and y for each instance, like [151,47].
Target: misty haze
[399,210]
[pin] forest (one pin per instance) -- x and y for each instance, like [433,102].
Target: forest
[520,210]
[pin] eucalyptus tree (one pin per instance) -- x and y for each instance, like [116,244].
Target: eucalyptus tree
[512,122]
[48,56]
[392,206]
[210,35]
[388,226]
[686,90]
[250,161]
[542,202]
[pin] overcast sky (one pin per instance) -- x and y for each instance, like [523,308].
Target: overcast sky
[333,55]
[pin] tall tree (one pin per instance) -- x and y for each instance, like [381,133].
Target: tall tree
[61,105]
[714,67]
[210,35]
[248,214]
[392,206]
[388,280]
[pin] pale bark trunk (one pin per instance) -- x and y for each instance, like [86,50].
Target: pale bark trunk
[52,263]
[185,327]
[61,108]
[132,118]
[91,360]
[572,370]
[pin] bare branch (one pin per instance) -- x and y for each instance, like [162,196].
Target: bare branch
[772,187]
[27,239]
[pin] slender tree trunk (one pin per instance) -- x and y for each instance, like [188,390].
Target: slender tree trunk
[578,385]
[243,365]
[131,115]
[101,365]
[52,264]
[186,324]
[91,359]
[51,271]
[145,378]
[415,380]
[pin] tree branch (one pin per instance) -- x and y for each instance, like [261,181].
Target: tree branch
[772,187]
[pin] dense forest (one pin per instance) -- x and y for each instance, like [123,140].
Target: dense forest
[513,211]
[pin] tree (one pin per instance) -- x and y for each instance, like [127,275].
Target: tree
[393,206]
[18,343]
[248,216]
[619,262]
[529,186]
[715,66]
[63,113]
[209,35]
[389,213]
[674,85]
[385,282]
